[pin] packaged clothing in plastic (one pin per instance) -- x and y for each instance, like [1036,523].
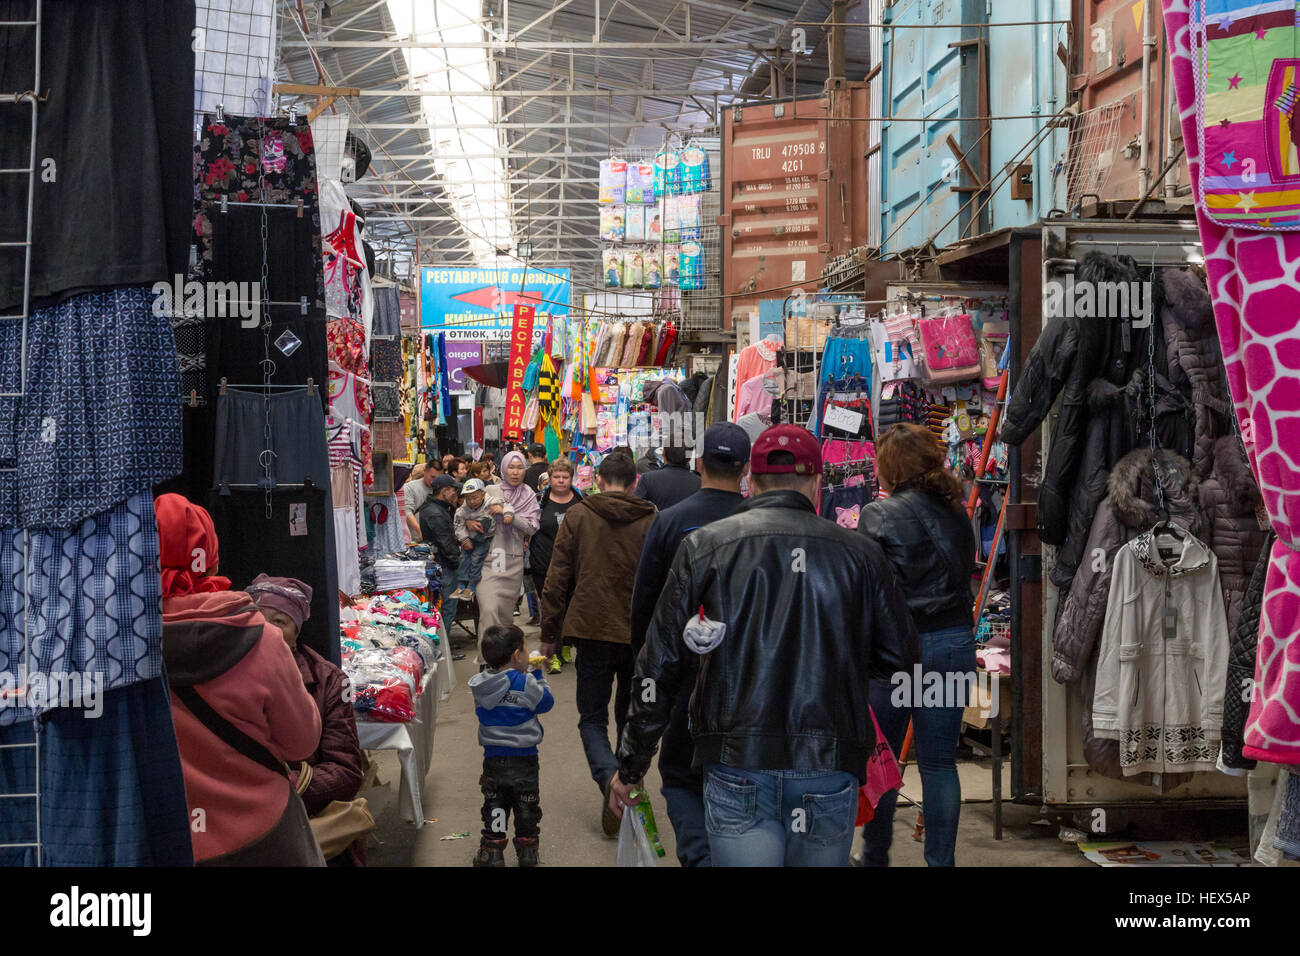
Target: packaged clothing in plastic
[633,267]
[695,170]
[612,224]
[692,266]
[640,183]
[672,220]
[612,267]
[688,214]
[672,263]
[613,181]
[634,223]
[668,173]
[654,277]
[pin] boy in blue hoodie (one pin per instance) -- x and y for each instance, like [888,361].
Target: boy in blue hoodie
[507,701]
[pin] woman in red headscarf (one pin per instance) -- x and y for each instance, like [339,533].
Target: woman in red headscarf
[239,705]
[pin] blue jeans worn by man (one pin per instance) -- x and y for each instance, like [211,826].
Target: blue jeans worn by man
[602,665]
[936,731]
[779,817]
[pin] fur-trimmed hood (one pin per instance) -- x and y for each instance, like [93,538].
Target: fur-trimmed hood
[1232,470]
[1131,489]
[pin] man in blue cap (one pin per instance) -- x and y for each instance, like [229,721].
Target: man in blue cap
[723,463]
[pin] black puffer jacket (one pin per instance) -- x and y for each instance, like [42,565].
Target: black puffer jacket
[1070,354]
[1241,664]
[811,612]
[931,547]
[1131,507]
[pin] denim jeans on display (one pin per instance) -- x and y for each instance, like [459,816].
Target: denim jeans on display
[936,731]
[471,562]
[779,817]
[601,665]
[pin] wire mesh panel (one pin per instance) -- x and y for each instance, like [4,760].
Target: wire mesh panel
[1093,138]
[234,56]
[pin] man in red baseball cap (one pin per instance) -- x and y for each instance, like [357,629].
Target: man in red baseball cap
[791,616]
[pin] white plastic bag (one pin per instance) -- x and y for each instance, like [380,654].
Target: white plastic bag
[634,847]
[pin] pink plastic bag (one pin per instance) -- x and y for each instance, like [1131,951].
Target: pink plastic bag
[951,352]
[883,775]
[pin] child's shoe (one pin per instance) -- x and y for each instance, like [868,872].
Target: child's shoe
[491,853]
[526,848]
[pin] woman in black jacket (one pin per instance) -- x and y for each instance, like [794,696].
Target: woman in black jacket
[559,497]
[927,537]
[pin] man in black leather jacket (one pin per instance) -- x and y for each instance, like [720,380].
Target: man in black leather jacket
[791,616]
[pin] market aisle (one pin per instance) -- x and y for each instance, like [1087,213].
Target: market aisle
[571,834]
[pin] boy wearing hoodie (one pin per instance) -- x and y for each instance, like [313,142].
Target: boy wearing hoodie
[507,700]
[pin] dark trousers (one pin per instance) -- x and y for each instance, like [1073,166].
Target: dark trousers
[600,665]
[510,784]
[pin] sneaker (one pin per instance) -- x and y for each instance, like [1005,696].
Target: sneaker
[534,621]
[556,665]
[526,848]
[569,653]
[491,853]
[609,820]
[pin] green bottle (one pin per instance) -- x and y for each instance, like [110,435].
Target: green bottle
[647,815]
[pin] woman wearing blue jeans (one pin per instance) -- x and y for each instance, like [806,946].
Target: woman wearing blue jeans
[924,531]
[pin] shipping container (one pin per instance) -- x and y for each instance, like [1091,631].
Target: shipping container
[1027,83]
[931,79]
[1106,158]
[794,192]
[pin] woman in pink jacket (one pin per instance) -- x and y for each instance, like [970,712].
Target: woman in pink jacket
[239,705]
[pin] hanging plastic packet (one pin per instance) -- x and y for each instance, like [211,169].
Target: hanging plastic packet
[668,173]
[634,227]
[613,181]
[612,267]
[654,227]
[654,277]
[640,183]
[612,228]
[692,266]
[688,215]
[695,170]
[672,264]
[702,634]
[633,269]
[672,220]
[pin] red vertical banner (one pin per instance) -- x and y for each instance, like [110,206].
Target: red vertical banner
[521,349]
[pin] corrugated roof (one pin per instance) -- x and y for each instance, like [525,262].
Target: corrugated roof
[579,101]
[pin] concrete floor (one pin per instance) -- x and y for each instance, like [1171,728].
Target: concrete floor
[571,833]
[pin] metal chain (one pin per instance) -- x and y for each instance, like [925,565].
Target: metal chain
[268,366]
[1151,399]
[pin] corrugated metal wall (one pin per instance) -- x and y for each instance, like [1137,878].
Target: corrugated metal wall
[927,78]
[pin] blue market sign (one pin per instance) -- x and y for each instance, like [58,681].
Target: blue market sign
[478,304]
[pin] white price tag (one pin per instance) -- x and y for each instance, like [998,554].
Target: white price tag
[843,418]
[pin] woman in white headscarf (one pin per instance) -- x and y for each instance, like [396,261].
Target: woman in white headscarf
[518,516]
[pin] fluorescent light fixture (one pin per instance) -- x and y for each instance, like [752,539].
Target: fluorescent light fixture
[480,196]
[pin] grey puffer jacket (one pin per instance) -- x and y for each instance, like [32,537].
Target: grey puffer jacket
[1195,362]
[1229,498]
[1131,507]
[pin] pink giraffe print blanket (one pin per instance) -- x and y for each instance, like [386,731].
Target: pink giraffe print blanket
[1255,283]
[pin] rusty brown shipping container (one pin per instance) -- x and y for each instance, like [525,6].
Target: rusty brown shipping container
[794,192]
[1106,138]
